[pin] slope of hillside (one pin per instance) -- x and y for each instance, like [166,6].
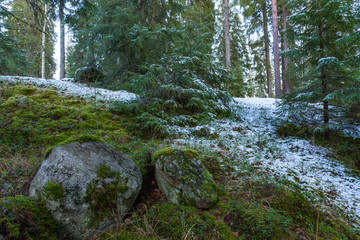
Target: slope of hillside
[272,187]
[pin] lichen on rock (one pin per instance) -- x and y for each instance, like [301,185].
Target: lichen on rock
[87,187]
[182,177]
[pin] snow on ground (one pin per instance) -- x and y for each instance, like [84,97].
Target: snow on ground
[75,89]
[254,141]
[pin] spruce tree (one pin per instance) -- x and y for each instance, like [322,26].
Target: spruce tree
[12,59]
[325,62]
[27,29]
[256,12]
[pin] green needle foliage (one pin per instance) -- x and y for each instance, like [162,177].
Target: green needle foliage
[325,31]
[26,28]
[164,55]
[11,57]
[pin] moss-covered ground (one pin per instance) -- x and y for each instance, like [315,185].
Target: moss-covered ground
[251,206]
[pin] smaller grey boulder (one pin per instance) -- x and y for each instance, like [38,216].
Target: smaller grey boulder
[87,187]
[183,179]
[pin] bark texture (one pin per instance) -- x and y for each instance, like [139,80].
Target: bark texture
[62,39]
[285,59]
[276,49]
[227,35]
[43,44]
[267,51]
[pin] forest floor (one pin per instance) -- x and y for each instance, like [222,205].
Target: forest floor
[251,142]
[254,141]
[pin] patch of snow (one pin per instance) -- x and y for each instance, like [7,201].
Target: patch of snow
[255,142]
[67,87]
[252,140]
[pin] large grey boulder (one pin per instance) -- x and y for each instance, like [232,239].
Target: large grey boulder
[183,179]
[87,187]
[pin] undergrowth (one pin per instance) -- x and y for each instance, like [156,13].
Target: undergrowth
[24,218]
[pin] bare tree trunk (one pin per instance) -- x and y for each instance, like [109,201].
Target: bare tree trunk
[267,51]
[276,49]
[43,70]
[285,59]
[62,39]
[227,35]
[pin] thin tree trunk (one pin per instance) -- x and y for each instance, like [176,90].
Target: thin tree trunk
[324,88]
[62,39]
[276,49]
[227,36]
[190,3]
[267,51]
[285,59]
[43,53]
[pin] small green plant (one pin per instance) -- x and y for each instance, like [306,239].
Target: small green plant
[170,221]
[148,125]
[53,191]
[25,218]
[102,195]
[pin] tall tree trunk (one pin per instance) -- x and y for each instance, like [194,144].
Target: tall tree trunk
[276,49]
[285,59]
[267,51]
[227,35]
[62,39]
[189,21]
[43,53]
[324,87]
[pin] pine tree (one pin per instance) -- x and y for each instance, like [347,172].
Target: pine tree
[256,12]
[168,61]
[239,57]
[27,29]
[227,34]
[326,63]
[12,59]
[276,49]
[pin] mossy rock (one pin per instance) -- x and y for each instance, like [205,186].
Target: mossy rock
[25,218]
[87,187]
[182,177]
[82,138]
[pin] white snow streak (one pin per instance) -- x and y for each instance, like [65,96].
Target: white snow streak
[254,141]
[74,89]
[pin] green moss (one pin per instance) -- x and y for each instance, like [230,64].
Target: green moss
[53,191]
[25,218]
[190,153]
[170,221]
[82,138]
[43,119]
[163,152]
[102,195]
[189,172]
[24,90]
[124,235]
[16,101]
[295,205]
